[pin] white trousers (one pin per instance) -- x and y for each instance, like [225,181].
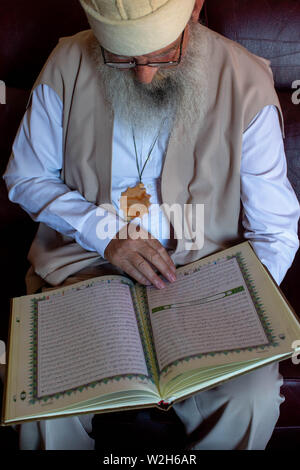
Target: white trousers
[57,434]
[240,414]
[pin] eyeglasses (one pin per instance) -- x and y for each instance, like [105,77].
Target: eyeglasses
[131,63]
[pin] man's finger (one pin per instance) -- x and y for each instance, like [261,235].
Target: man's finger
[132,271]
[157,246]
[141,263]
[139,234]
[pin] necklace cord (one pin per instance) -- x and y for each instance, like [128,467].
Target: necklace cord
[149,154]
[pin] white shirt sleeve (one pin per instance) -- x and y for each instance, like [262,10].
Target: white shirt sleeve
[33,177]
[270,207]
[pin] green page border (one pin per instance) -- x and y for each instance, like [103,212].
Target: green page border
[265,322]
[33,357]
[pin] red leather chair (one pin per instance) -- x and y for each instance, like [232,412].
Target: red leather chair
[28,33]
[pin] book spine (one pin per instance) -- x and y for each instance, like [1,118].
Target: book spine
[164,405]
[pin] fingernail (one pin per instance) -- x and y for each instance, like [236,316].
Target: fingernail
[160,285]
[172,277]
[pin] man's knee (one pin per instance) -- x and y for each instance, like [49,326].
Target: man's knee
[238,414]
[258,391]
[261,385]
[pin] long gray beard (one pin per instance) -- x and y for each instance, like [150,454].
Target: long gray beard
[176,94]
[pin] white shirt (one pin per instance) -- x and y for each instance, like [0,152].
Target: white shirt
[270,207]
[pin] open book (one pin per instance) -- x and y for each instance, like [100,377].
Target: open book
[110,344]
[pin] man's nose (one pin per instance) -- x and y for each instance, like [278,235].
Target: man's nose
[145,74]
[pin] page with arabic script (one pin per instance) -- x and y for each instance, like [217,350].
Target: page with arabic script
[72,346]
[223,311]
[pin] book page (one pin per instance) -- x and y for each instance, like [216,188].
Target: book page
[207,311]
[85,335]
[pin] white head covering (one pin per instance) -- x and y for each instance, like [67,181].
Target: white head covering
[137,27]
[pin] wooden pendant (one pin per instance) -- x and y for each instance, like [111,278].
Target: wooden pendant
[135,202]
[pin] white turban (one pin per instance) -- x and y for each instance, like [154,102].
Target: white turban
[137,27]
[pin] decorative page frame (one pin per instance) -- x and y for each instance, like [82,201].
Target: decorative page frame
[265,321]
[33,359]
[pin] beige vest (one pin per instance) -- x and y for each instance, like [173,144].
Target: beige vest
[202,164]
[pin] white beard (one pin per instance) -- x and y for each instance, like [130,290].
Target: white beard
[176,94]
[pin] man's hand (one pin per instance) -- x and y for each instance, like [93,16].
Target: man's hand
[134,250]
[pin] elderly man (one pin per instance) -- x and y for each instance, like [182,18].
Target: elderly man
[150,101]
